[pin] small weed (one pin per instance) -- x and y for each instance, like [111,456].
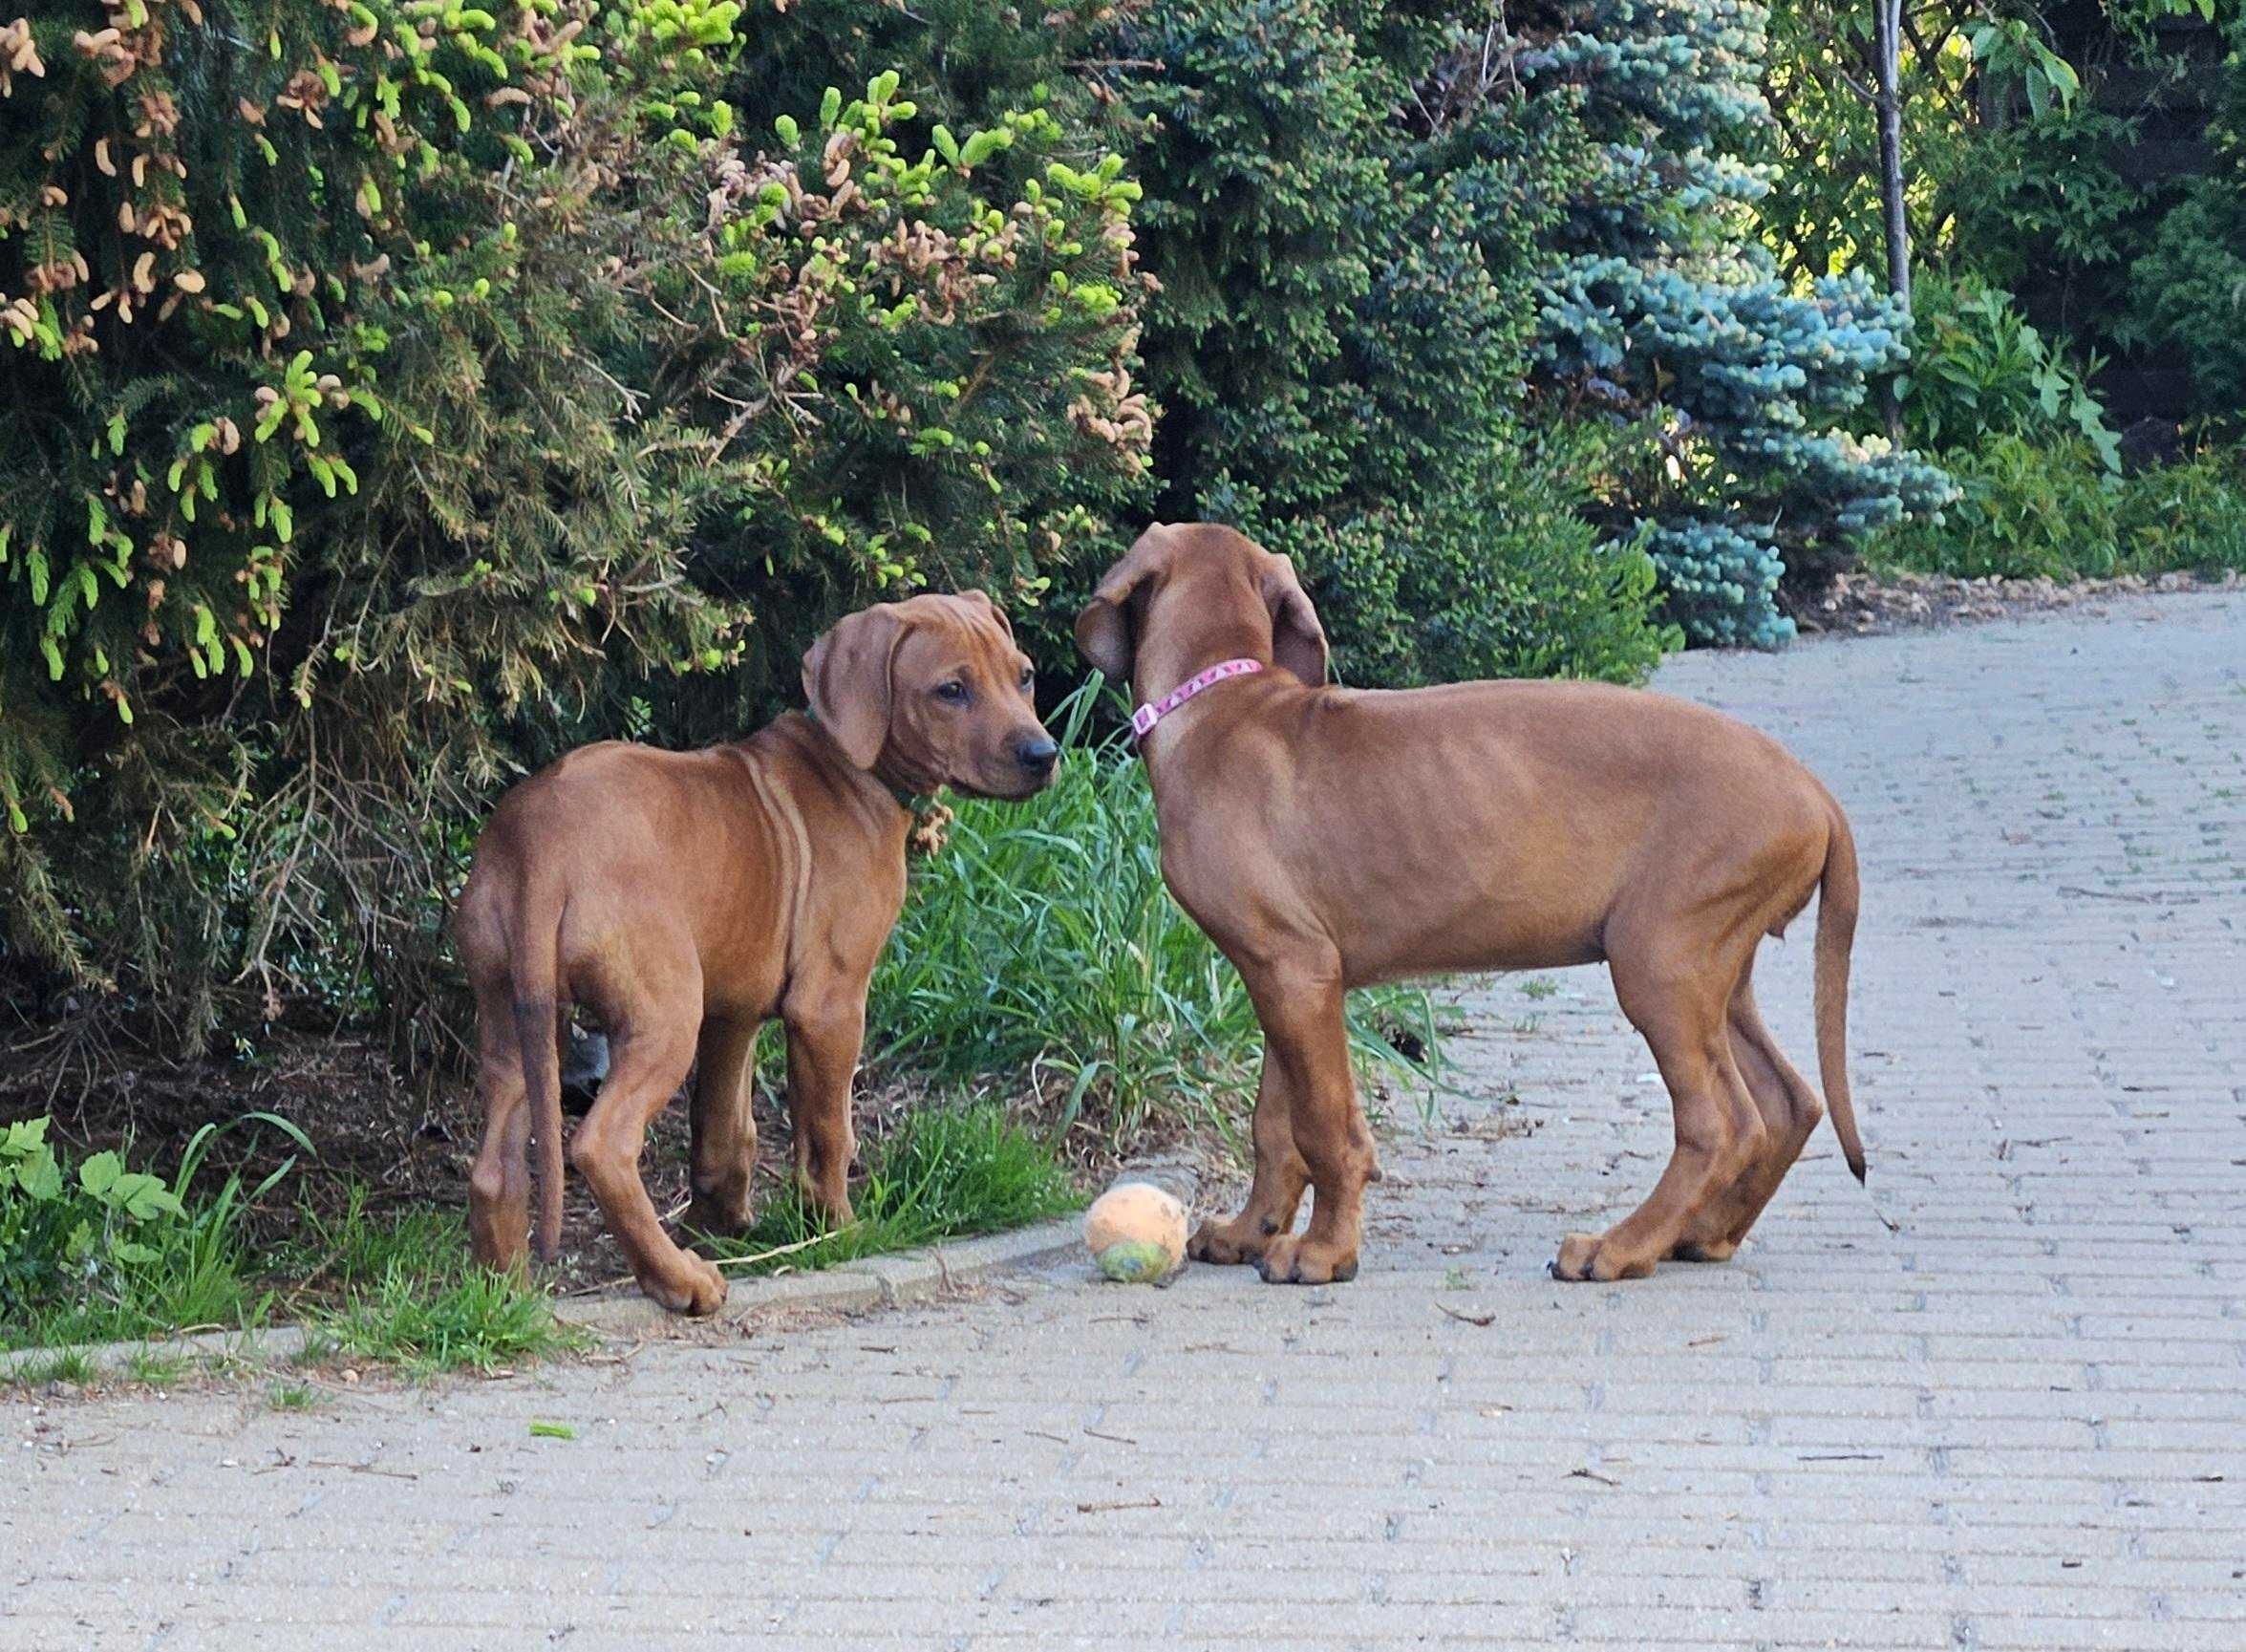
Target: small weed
[152,1369]
[292,1397]
[1538,987]
[72,1365]
[427,1323]
[1456,1280]
[943,1173]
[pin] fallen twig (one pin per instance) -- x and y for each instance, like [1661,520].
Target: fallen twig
[785,1250]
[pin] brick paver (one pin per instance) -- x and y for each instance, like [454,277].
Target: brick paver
[2014,1422]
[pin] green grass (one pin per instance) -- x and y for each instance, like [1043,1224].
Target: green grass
[90,1251]
[64,1365]
[1042,942]
[153,1368]
[945,1172]
[292,1397]
[402,1289]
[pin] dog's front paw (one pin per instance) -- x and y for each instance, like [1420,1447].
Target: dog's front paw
[692,1286]
[1306,1261]
[1588,1257]
[1243,1239]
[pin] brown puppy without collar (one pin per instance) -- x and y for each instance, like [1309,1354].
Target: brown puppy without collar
[684,898]
[1327,838]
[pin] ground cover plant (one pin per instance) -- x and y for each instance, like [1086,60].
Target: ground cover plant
[91,1251]
[400,1288]
[946,1171]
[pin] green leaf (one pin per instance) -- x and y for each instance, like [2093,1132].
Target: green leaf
[100,1172]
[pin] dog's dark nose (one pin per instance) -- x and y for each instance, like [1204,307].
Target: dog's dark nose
[1037,754]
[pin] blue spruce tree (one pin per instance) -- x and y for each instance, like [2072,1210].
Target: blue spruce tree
[1740,392]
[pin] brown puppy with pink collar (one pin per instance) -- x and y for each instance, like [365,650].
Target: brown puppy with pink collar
[1326,838]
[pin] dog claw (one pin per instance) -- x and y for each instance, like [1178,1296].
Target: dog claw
[1585,1258]
[1294,1261]
[699,1293]
[1228,1244]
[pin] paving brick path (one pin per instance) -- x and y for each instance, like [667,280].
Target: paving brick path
[2019,1421]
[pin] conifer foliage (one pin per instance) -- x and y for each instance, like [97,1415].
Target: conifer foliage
[402,391]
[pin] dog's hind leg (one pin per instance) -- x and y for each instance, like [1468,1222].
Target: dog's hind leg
[1790,1111]
[498,1182]
[652,1043]
[1275,1194]
[724,1126]
[1680,1005]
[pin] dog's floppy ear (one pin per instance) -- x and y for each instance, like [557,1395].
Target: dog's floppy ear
[847,679]
[1298,641]
[1104,629]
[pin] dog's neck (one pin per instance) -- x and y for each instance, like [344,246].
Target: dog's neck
[1176,654]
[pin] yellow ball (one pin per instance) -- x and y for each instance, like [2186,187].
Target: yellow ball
[1136,1233]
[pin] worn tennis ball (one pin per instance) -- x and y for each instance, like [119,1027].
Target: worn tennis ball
[1136,1233]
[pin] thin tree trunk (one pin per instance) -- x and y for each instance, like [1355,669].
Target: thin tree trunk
[1887,33]
[1887,42]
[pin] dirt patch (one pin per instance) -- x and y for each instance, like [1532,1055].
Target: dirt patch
[1864,604]
[409,1143]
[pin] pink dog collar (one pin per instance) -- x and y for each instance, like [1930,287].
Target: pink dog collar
[1144,719]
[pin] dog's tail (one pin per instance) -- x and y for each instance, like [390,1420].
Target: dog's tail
[537,955]
[1836,932]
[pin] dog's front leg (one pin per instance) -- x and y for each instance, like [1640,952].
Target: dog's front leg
[826,1028]
[1276,1193]
[724,1123]
[1299,1004]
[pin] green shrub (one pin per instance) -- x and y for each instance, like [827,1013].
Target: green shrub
[2189,289]
[97,1252]
[945,1172]
[400,404]
[2026,508]
[1978,370]
[2189,517]
[1042,942]
[1347,323]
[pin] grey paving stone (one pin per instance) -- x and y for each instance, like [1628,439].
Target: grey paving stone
[2014,1422]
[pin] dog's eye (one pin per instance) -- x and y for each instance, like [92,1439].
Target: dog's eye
[1029,675]
[953,693]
